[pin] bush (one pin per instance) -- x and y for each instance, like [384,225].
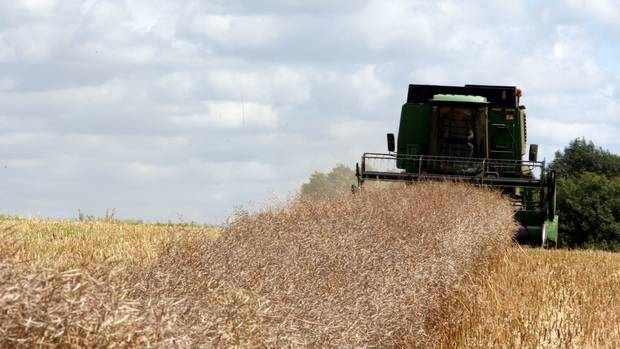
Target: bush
[588,195]
[583,156]
[590,211]
[332,184]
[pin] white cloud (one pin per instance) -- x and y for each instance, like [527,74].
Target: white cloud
[556,134]
[280,85]
[230,115]
[371,90]
[163,108]
[235,171]
[38,5]
[149,172]
[33,43]
[406,25]
[606,10]
[236,30]
[22,163]
[358,136]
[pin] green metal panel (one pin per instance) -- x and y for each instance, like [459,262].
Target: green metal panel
[535,222]
[506,133]
[414,130]
[552,231]
[505,129]
[501,134]
[522,130]
[530,218]
[518,134]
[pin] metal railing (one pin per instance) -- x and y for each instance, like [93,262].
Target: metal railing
[499,172]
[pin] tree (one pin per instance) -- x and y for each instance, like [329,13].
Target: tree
[334,183]
[588,194]
[581,156]
[589,206]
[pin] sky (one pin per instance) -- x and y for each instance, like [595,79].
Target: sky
[191,110]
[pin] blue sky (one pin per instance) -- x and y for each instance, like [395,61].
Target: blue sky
[184,110]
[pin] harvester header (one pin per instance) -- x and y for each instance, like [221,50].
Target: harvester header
[475,134]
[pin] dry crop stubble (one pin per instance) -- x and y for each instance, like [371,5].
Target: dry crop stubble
[378,269]
[85,244]
[536,298]
[63,284]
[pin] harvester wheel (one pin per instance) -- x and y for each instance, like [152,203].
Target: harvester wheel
[551,245]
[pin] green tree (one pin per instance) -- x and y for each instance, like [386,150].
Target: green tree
[588,194]
[589,206]
[336,182]
[582,156]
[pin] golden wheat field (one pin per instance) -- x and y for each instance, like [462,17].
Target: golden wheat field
[536,298]
[423,266]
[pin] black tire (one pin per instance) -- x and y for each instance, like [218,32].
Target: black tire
[551,245]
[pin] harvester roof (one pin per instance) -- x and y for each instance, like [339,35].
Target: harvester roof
[441,98]
[500,96]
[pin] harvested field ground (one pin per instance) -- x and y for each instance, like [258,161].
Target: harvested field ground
[421,266]
[538,298]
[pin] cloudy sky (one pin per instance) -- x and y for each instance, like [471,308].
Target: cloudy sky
[187,110]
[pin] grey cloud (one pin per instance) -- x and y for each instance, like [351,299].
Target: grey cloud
[318,7]
[163,109]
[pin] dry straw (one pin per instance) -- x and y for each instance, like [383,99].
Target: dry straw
[378,269]
[538,298]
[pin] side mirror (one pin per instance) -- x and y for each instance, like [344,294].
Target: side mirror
[533,152]
[390,140]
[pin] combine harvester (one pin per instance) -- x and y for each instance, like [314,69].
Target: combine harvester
[475,134]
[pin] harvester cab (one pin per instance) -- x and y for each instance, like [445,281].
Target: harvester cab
[475,134]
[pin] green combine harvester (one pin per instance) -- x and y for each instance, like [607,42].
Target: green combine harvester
[475,134]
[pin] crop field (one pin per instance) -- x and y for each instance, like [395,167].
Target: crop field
[536,298]
[429,265]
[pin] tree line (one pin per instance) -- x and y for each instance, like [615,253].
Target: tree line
[588,196]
